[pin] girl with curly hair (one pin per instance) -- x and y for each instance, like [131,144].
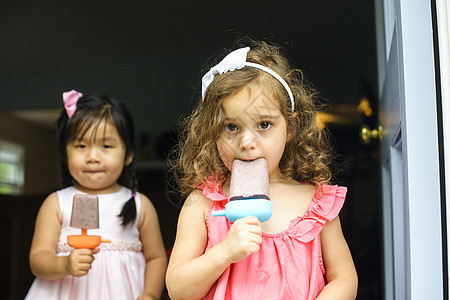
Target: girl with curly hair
[254,105]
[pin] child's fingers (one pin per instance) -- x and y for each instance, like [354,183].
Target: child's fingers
[243,239]
[251,220]
[85,256]
[79,262]
[252,224]
[249,225]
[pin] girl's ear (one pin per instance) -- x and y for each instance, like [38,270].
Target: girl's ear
[288,136]
[129,159]
[289,129]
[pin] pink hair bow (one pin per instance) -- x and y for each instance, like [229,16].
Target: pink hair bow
[70,101]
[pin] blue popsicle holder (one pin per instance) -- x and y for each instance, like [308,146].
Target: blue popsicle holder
[236,209]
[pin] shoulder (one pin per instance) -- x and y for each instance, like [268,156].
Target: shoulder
[191,229]
[329,200]
[50,207]
[327,189]
[145,201]
[196,197]
[51,201]
[196,206]
[148,211]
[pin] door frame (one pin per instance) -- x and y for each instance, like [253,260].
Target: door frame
[442,27]
[413,251]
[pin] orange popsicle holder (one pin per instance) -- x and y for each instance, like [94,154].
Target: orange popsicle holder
[85,241]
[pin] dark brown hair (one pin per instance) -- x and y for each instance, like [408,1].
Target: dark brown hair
[91,111]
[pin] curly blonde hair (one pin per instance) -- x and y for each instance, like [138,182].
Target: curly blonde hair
[306,156]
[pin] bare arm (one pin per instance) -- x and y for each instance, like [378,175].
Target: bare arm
[153,249]
[43,260]
[192,272]
[342,280]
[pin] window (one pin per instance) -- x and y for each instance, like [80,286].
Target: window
[12,158]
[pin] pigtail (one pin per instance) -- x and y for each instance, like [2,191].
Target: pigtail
[129,212]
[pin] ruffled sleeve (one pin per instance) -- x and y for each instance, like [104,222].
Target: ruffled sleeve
[212,190]
[324,207]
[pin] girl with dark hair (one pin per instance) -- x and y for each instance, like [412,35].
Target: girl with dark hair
[96,143]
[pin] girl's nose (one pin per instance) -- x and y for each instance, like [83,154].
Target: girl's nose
[92,156]
[247,140]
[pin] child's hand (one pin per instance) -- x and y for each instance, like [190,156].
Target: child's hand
[79,261]
[243,239]
[147,297]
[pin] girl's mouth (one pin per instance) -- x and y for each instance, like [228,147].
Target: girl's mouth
[248,159]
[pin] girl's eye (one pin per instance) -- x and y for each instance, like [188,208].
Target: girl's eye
[230,127]
[264,125]
[80,146]
[107,146]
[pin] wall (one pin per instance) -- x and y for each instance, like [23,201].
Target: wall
[42,171]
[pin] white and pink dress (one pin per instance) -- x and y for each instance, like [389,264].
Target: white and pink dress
[118,269]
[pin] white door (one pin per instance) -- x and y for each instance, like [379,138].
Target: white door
[409,151]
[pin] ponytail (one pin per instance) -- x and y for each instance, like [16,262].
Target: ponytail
[129,212]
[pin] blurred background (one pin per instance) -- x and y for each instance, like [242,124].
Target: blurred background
[151,55]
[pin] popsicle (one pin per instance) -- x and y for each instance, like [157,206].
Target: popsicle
[84,212]
[85,216]
[249,191]
[249,180]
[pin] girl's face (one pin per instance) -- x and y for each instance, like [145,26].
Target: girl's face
[254,128]
[97,159]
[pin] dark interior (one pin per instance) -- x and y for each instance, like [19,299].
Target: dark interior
[332,41]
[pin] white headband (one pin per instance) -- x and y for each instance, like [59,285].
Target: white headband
[237,60]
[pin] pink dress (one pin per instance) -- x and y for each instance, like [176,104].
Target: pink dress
[118,271]
[289,264]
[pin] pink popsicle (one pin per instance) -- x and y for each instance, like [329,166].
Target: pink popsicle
[84,212]
[249,180]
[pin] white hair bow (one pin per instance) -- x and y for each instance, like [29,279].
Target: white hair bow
[237,60]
